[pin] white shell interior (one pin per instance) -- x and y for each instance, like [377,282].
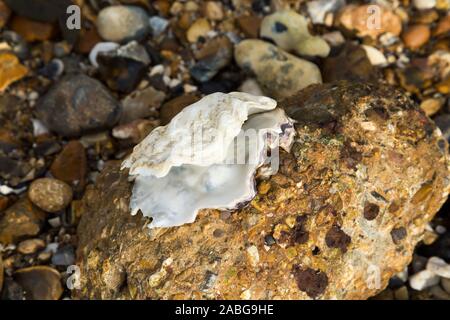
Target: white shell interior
[206,157]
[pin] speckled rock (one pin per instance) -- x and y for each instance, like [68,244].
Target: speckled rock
[49,194]
[279,73]
[289,30]
[347,207]
[78,104]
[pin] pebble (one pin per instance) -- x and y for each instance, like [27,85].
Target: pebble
[78,104]
[30,246]
[249,25]
[122,23]
[70,165]
[199,28]
[416,36]
[158,25]
[251,86]
[50,194]
[172,107]
[289,30]
[443,27]
[439,267]
[124,68]
[423,279]
[213,10]
[358,18]
[39,283]
[217,54]
[376,57]
[318,9]
[32,30]
[279,73]
[141,104]
[334,38]
[11,70]
[424,4]
[5,13]
[101,47]
[431,106]
[21,220]
[64,256]
[351,64]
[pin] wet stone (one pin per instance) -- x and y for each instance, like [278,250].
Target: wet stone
[39,283]
[70,165]
[78,104]
[20,221]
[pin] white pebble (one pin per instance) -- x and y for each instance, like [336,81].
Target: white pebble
[423,279]
[424,4]
[38,128]
[439,267]
[375,56]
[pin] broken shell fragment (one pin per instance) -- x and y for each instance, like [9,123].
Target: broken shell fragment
[207,157]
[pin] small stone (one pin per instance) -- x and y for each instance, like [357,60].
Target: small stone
[21,220]
[423,279]
[65,256]
[30,246]
[32,30]
[172,107]
[319,9]
[40,283]
[123,69]
[279,73]
[444,86]
[141,104]
[416,36]
[289,30]
[439,267]
[78,104]
[251,86]
[249,25]
[443,27]
[70,165]
[401,293]
[5,13]
[11,70]
[213,10]
[122,23]
[336,238]
[431,106]
[371,211]
[424,4]
[350,64]
[158,25]
[200,28]
[218,53]
[334,38]
[375,56]
[443,5]
[360,18]
[49,194]
[313,282]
